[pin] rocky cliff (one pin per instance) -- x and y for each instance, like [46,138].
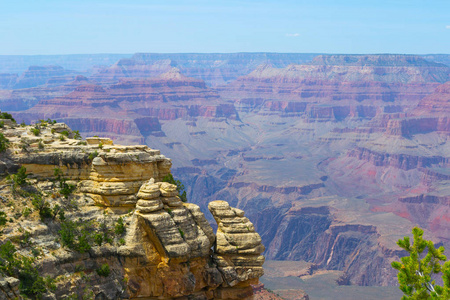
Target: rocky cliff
[133,108]
[336,87]
[93,219]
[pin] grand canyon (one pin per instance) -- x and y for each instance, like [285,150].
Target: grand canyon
[333,158]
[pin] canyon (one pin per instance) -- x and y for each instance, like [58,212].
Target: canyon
[332,157]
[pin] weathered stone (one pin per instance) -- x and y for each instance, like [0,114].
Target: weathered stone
[165,251]
[172,201]
[168,190]
[97,140]
[149,190]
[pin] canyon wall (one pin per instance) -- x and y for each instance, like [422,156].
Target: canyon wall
[317,153]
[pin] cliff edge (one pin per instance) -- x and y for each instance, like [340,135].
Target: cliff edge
[94,220]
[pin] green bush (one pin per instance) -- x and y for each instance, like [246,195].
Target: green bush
[180,187]
[4,143]
[98,239]
[76,135]
[8,261]
[42,206]
[103,270]
[93,155]
[120,227]
[31,284]
[415,270]
[68,233]
[3,218]
[64,188]
[76,235]
[5,115]
[20,178]
[65,133]
[36,131]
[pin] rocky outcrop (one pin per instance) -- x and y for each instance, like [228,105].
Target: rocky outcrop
[237,250]
[165,250]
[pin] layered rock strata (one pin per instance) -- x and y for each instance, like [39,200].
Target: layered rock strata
[237,249]
[134,108]
[337,87]
[166,250]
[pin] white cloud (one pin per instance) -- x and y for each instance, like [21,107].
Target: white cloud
[448,26]
[292,34]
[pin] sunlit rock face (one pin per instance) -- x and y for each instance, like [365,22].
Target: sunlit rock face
[166,251]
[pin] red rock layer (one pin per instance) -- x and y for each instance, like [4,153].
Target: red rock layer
[22,99]
[133,107]
[400,161]
[337,87]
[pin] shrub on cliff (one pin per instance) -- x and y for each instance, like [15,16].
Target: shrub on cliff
[103,270]
[180,187]
[4,143]
[415,271]
[36,130]
[5,115]
[3,218]
[8,261]
[119,229]
[20,178]
[77,236]
[13,264]
[76,135]
[42,206]
[64,188]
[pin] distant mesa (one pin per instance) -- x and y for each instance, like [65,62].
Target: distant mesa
[38,75]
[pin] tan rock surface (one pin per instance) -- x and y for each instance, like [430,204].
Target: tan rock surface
[165,251]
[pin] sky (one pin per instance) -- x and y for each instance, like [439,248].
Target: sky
[30,27]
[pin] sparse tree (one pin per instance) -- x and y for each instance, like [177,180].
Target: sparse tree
[416,270]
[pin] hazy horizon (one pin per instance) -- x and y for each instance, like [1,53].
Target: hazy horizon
[249,52]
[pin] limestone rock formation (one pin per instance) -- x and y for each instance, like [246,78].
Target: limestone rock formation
[238,248]
[154,245]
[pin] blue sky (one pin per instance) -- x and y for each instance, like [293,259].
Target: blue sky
[319,26]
